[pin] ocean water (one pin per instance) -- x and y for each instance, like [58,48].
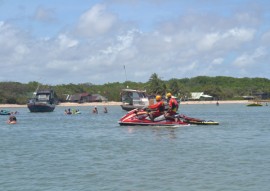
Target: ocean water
[53,151]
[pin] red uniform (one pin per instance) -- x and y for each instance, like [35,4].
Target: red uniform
[158,107]
[173,106]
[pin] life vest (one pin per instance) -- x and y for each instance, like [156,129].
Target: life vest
[159,106]
[173,104]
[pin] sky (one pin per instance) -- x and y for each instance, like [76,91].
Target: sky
[105,41]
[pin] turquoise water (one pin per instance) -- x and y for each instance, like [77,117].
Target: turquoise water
[53,151]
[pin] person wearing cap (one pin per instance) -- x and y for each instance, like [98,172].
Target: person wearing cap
[173,107]
[158,108]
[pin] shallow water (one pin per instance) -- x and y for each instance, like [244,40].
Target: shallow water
[53,151]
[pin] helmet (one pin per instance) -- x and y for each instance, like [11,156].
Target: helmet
[158,97]
[169,95]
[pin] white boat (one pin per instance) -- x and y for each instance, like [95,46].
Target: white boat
[132,99]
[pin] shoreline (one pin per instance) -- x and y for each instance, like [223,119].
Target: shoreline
[113,103]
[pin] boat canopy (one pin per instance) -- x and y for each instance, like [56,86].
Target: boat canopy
[132,90]
[134,97]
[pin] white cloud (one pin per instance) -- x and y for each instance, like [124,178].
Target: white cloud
[66,42]
[95,21]
[240,34]
[231,38]
[13,46]
[185,45]
[218,61]
[208,41]
[248,59]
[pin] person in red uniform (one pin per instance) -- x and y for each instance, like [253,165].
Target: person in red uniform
[173,107]
[158,108]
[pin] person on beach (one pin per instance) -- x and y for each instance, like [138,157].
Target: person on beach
[158,108]
[95,110]
[173,107]
[105,110]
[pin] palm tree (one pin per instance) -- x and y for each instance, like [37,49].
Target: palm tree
[156,85]
[173,86]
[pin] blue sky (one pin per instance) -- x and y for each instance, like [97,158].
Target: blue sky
[81,41]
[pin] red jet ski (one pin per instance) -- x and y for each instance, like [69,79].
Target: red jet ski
[141,117]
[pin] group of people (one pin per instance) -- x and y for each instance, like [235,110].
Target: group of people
[158,108]
[77,111]
[73,111]
[95,110]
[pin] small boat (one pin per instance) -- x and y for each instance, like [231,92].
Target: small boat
[133,99]
[5,112]
[138,117]
[42,101]
[255,103]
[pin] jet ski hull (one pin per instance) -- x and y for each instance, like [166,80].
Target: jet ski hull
[141,118]
[138,117]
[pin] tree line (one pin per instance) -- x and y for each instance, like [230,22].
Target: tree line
[220,87]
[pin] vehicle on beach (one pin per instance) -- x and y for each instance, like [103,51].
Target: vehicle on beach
[42,101]
[140,117]
[132,99]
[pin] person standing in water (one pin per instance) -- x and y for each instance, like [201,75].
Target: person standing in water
[95,110]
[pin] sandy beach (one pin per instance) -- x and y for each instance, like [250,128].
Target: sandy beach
[110,103]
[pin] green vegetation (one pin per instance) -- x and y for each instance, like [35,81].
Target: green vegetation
[220,87]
